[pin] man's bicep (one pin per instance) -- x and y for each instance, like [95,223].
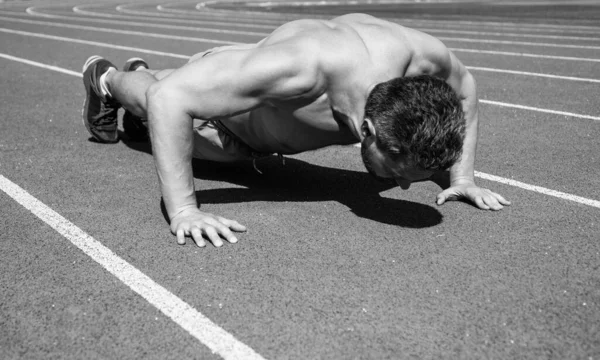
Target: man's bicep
[278,73]
[208,88]
[236,81]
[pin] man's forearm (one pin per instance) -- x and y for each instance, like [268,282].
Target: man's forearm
[463,170]
[172,143]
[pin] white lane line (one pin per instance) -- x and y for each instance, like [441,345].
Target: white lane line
[501,26]
[527,43]
[506,34]
[93,43]
[555,112]
[534,188]
[533,74]
[199,326]
[38,64]
[316,4]
[173,18]
[487,52]
[524,26]
[80,10]
[508,53]
[206,10]
[491,52]
[199,16]
[126,32]
[52,37]
[485,41]
[550,192]
[145,24]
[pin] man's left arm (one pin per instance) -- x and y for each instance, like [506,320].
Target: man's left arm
[462,177]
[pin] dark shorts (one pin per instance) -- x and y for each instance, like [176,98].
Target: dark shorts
[214,141]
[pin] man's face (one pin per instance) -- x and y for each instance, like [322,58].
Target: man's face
[384,169]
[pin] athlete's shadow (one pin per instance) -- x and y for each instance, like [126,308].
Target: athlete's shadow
[299,181]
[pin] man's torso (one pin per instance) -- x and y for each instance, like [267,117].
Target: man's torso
[355,52]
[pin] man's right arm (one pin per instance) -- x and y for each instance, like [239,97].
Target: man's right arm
[216,86]
[172,142]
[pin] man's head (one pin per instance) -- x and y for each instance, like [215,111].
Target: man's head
[413,127]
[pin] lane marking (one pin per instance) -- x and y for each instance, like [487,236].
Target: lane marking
[316,4]
[93,14]
[484,23]
[203,9]
[126,32]
[505,34]
[534,188]
[186,38]
[93,43]
[528,43]
[173,18]
[141,24]
[508,53]
[492,52]
[199,326]
[59,38]
[232,43]
[533,74]
[539,189]
[519,184]
[502,26]
[38,64]
[555,112]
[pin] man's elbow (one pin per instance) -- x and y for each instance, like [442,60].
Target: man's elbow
[164,102]
[157,95]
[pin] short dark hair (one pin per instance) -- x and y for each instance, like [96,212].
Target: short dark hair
[418,119]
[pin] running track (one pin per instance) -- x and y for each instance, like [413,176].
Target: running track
[334,265]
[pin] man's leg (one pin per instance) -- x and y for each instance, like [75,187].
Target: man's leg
[136,127]
[107,89]
[129,89]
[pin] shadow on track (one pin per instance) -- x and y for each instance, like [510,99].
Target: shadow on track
[299,181]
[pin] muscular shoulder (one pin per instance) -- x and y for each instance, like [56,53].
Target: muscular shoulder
[422,53]
[312,50]
[429,55]
[286,68]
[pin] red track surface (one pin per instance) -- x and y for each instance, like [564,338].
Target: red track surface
[334,265]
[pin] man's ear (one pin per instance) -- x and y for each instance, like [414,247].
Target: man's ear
[367,128]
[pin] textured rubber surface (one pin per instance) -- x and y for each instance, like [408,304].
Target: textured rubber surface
[334,265]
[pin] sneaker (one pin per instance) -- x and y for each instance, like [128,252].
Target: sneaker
[134,126]
[134,63]
[99,113]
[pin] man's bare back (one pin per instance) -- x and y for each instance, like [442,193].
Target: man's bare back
[310,84]
[379,50]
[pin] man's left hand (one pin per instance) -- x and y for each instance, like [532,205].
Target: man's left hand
[484,199]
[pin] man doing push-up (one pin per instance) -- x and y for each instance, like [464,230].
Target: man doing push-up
[309,84]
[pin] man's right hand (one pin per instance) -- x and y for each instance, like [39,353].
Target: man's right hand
[195,223]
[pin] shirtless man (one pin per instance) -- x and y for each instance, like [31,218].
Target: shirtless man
[310,84]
